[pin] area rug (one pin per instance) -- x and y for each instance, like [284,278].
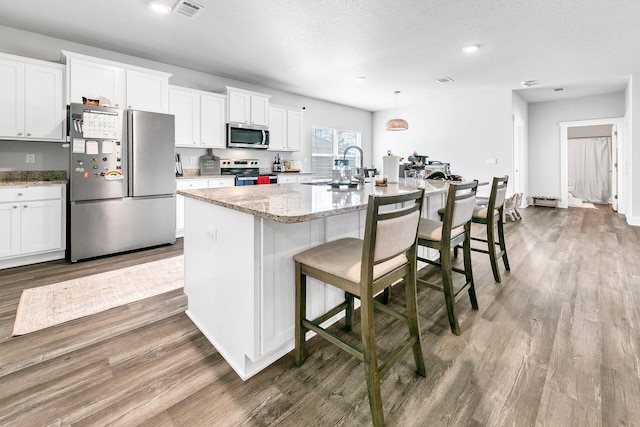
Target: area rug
[61,302]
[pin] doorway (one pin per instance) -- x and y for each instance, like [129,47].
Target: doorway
[608,128]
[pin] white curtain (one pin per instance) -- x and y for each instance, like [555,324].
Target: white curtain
[589,166]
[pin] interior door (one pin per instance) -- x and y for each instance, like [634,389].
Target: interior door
[518,143]
[614,168]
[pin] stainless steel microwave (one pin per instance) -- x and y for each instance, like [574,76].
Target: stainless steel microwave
[241,135]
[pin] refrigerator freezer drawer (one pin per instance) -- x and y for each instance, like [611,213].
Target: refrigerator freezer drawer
[105,227]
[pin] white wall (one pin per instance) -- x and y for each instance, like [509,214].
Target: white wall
[316,113]
[544,134]
[463,130]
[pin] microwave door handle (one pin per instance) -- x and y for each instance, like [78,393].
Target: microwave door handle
[264,137]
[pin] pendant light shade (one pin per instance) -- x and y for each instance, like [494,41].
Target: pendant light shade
[397,124]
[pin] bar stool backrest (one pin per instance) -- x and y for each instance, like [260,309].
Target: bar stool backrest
[393,232]
[498,193]
[461,200]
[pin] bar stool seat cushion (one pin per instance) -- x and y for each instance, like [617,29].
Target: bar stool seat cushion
[343,258]
[430,229]
[481,211]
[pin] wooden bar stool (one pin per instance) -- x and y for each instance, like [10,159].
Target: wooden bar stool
[492,216]
[454,229]
[364,268]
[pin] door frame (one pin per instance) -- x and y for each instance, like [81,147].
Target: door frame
[617,123]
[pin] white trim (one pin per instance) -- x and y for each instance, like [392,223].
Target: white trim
[564,174]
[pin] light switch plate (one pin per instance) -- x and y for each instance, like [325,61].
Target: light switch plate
[493,161]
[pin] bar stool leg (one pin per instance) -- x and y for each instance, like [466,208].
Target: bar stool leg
[411,293]
[348,318]
[300,353]
[468,272]
[503,246]
[491,243]
[447,285]
[371,360]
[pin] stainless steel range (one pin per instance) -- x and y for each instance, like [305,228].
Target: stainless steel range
[247,172]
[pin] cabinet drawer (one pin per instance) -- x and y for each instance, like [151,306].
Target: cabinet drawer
[287,179]
[192,184]
[222,182]
[40,192]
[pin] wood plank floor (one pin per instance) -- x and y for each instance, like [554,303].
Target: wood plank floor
[555,344]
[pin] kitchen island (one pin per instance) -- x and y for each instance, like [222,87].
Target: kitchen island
[239,271]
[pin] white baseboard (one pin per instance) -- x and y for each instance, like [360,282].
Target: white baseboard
[633,220]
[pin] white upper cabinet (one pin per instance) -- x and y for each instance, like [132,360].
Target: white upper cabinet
[199,117]
[125,86]
[244,106]
[285,128]
[31,99]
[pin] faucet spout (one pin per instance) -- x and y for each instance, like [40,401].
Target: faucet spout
[359,171]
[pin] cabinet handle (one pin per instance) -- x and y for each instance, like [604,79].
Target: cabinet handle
[28,134]
[19,194]
[15,207]
[129,107]
[19,133]
[25,206]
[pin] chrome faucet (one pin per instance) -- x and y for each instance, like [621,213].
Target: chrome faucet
[359,171]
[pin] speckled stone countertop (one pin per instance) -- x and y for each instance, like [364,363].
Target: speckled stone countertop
[290,203]
[8,178]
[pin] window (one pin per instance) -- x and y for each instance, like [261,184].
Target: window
[329,144]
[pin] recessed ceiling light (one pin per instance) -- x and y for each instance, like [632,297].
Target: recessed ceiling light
[159,7]
[558,89]
[471,48]
[360,79]
[529,83]
[445,80]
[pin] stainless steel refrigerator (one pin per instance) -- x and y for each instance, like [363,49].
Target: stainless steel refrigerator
[121,180]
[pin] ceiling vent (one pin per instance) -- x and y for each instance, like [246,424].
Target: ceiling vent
[188,8]
[445,80]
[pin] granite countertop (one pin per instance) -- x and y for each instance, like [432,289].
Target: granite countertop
[9,178]
[291,203]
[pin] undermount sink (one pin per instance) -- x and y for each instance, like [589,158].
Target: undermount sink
[316,183]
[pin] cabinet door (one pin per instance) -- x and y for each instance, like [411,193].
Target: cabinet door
[9,229]
[294,130]
[93,79]
[239,107]
[212,123]
[147,91]
[277,128]
[44,109]
[11,99]
[185,107]
[259,110]
[41,226]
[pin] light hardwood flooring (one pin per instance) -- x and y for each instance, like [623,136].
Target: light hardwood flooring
[555,344]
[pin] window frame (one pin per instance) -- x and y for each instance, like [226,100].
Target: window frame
[335,154]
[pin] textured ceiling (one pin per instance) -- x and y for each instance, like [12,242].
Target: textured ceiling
[317,47]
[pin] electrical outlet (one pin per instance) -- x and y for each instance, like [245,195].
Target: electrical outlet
[194,160]
[31,158]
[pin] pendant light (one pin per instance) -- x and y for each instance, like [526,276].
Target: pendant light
[397,124]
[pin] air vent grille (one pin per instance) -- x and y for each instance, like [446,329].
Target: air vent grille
[188,9]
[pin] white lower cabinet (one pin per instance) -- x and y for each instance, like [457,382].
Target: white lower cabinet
[32,224]
[292,178]
[195,184]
